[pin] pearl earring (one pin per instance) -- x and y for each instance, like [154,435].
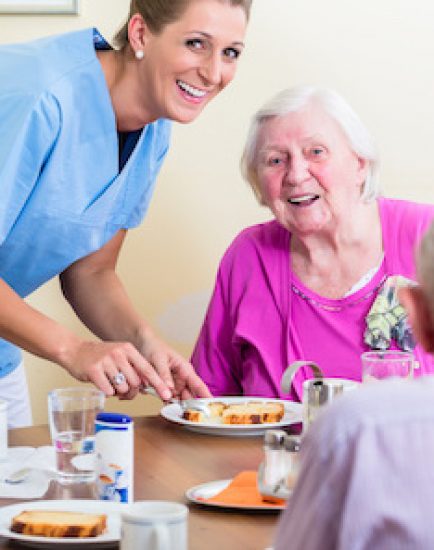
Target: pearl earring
[140,54]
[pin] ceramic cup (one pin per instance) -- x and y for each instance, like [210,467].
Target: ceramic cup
[154,525]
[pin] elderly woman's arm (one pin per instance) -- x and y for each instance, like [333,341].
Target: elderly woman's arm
[214,356]
[99,299]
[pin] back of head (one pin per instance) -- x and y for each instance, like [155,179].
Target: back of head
[365,465]
[295,99]
[158,13]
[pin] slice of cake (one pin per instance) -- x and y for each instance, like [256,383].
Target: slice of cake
[247,412]
[49,523]
[253,412]
[216,409]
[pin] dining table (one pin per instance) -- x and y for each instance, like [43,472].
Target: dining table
[168,460]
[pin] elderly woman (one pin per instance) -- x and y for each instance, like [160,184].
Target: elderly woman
[85,129]
[301,287]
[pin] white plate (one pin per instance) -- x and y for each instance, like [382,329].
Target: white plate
[293,415]
[109,538]
[207,490]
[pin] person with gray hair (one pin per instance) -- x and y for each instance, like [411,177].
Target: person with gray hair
[305,285]
[365,480]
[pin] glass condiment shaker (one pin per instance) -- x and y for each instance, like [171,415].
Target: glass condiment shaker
[291,450]
[278,471]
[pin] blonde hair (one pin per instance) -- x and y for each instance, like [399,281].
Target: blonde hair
[158,13]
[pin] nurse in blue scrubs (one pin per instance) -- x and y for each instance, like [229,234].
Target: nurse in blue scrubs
[84,129]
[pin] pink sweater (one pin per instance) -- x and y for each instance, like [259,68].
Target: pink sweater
[261,317]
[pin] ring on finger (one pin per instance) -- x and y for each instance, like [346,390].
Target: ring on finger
[118,379]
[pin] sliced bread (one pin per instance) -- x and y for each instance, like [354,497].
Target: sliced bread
[49,523]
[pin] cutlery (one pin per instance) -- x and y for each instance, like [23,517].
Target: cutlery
[192,404]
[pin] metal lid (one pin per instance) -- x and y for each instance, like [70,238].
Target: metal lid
[291,443]
[273,439]
[323,391]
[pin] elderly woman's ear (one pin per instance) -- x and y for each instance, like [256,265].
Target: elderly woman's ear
[363,170]
[417,306]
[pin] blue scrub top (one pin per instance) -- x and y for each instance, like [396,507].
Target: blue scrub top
[61,194]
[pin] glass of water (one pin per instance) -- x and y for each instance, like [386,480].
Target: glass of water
[378,365]
[71,415]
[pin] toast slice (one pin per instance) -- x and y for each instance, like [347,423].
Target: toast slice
[50,523]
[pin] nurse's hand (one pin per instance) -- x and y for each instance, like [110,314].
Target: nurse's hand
[115,368]
[176,373]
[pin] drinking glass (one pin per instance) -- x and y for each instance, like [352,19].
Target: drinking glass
[378,365]
[71,414]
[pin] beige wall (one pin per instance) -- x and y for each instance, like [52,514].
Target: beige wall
[378,54]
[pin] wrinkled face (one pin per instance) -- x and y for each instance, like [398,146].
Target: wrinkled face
[191,60]
[308,175]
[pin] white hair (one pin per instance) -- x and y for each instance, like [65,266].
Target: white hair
[293,100]
[425,267]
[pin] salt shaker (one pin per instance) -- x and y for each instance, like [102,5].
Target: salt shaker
[291,450]
[114,447]
[271,471]
[278,471]
[274,460]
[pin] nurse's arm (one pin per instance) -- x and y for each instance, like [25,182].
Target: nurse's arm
[87,361]
[99,299]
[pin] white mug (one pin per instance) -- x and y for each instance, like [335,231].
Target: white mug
[154,525]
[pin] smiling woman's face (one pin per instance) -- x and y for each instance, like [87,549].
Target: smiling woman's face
[191,60]
[308,174]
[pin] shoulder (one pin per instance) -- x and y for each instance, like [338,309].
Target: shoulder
[266,236]
[256,242]
[398,213]
[254,255]
[34,66]
[403,224]
[32,123]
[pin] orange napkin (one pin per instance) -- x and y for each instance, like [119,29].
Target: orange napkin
[243,491]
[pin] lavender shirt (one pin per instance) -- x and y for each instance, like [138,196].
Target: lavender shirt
[261,317]
[367,473]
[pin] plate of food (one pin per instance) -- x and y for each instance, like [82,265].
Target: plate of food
[71,523]
[201,493]
[234,416]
